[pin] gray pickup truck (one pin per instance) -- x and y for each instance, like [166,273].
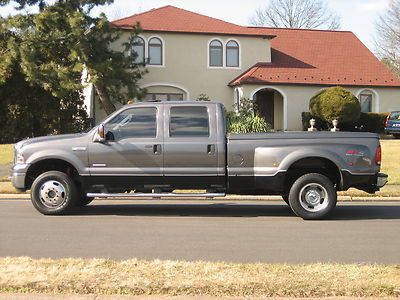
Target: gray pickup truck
[151,149]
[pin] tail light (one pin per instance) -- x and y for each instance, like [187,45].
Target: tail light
[378,155]
[387,120]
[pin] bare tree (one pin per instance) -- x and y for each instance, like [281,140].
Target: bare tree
[388,36]
[311,14]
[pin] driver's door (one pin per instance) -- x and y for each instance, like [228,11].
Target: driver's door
[132,155]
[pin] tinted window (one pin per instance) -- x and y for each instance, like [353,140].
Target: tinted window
[395,116]
[232,54]
[189,121]
[138,122]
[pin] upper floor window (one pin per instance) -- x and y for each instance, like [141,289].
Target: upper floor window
[139,49]
[216,53]
[232,54]
[366,102]
[155,51]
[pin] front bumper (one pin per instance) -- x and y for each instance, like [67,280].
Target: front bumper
[18,176]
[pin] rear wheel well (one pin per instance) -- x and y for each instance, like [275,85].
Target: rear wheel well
[46,165]
[308,165]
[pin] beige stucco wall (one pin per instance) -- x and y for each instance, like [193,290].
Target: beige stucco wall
[297,98]
[186,63]
[186,70]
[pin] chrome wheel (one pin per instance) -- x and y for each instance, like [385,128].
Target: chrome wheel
[313,197]
[52,194]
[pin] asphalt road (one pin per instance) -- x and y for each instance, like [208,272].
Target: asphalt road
[203,230]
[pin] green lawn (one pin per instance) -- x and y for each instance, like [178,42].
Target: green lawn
[6,154]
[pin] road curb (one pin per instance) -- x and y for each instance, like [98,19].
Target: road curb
[236,198]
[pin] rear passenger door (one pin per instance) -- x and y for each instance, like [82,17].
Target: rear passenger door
[190,142]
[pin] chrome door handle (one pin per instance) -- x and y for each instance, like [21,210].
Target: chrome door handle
[210,149]
[157,149]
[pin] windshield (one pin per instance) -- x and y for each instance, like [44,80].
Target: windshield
[395,116]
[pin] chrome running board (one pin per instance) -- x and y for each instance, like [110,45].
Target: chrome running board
[156,195]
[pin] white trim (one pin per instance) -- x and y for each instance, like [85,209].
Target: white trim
[377,99]
[169,85]
[240,53]
[162,51]
[208,53]
[285,101]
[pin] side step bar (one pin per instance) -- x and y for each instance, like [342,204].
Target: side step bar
[156,195]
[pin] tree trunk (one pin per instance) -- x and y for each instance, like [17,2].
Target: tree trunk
[105,100]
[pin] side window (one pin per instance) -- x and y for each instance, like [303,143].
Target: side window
[189,121]
[366,102]
[232,54]
[139,122]
[155,51]
[215,53]
[138,50]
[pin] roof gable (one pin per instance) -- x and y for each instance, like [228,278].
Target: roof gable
[173,19]
[320,57]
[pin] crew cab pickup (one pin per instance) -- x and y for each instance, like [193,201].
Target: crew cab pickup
[150,149]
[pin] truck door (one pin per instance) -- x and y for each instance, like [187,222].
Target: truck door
[133,152]
[190,145]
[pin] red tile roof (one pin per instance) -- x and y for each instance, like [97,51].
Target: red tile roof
[173,19]
[299,56]
[318,57]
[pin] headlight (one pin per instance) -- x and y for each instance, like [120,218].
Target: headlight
[19,159]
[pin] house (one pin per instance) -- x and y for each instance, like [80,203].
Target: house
[281,69]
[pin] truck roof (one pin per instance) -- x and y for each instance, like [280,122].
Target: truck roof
[181,102]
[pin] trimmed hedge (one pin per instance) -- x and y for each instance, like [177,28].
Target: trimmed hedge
[368,122]
[335,103]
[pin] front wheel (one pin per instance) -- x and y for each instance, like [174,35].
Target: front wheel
[313,196]
[53,193]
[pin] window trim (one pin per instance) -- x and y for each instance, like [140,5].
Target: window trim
[209,53]
[238,53]
[162,65]
[167,94]
[365,93]
[224,54]
[144,49]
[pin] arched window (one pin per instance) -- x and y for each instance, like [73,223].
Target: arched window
[215,53]
[366,102]
[232,54]
[155,51]
[138,49]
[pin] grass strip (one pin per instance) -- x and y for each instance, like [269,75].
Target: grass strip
[178,278]
[6,153]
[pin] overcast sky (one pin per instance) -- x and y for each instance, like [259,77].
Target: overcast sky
[358,16]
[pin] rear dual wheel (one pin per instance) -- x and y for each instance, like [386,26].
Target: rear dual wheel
[313,196]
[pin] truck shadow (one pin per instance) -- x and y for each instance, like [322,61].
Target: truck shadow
[342,212]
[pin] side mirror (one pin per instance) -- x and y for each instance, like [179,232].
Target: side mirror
[101,135]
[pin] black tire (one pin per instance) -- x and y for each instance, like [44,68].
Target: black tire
[285,197]
[84,200]
[313,197]
[54,193]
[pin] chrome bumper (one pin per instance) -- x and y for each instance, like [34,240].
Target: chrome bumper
[18,176]
[381,180]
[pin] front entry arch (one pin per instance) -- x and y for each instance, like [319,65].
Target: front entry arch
[272,104]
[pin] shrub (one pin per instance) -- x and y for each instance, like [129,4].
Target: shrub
[368,122]
[336,103]
[319,123]
[246,120]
